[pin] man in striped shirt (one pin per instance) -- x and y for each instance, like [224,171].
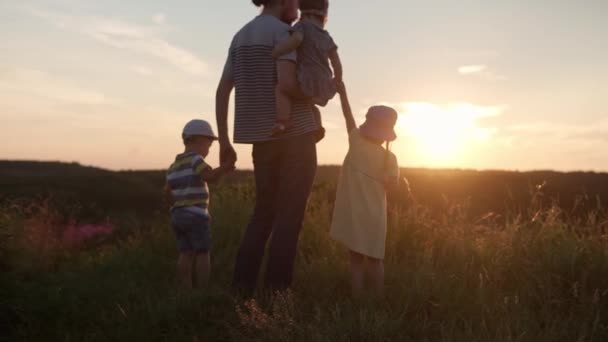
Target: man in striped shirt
[284,166]
[188,193]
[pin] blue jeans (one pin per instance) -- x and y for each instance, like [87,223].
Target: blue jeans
[284,173]
[191,230]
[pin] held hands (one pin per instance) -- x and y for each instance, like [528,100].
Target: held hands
[227,154]
[227,158]
[228,167]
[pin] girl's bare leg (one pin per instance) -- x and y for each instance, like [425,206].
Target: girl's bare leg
[376,270]
[356,273]
[184,270]
[202,268]
[283,111]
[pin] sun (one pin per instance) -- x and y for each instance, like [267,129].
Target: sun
[443,134]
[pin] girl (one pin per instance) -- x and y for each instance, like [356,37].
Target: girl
[359,219]
[315,49]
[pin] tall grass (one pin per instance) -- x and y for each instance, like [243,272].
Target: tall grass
[535,275]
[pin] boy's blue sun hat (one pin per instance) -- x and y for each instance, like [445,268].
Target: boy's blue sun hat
[380,123]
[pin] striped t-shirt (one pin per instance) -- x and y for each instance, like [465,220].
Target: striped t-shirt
[185,181]
[251,66]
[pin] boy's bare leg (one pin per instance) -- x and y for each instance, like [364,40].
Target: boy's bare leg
[283,111]
[376,270]
[184,270]
[356,273]
[202,268]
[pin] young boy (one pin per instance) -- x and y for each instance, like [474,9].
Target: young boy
[188,193]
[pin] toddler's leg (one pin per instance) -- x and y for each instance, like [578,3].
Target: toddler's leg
[356,273]
[376,269]
[283,110]
[202,268]
[320,134]
[184,270]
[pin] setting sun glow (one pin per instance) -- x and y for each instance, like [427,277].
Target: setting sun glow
[443,133]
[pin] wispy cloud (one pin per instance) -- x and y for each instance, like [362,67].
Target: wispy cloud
[172,85]
[438,134]
[480,70]
[476,54]
[590,132]
[127,36]
[462,119]
[159,19]
[30,93]
[555,145]
[142,70]
[37,84]
[471,69]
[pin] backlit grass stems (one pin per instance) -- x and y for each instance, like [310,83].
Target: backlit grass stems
[535,275]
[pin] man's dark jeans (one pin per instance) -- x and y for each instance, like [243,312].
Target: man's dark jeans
[284,173]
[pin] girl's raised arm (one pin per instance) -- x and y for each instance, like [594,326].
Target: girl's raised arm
[336,64]
[346,110]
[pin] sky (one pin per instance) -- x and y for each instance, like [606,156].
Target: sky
[515,85]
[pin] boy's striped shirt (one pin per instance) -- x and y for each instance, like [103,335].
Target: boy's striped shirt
[185,180]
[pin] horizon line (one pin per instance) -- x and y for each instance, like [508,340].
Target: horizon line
[411,167]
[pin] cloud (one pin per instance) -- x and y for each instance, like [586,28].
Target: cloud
[444,135]
[34,94]
[473,54]
[127,36]
[471,69]
[159,19]
[172,85]
[39,84]
[482,71]
[450,124]
[464,110]
[142,70]
[591,132]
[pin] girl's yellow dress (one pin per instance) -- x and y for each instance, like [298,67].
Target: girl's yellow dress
[359,219]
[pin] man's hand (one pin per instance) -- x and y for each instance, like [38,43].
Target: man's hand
[228,167]
[227,153]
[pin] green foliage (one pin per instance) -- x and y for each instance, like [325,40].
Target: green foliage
[536,274]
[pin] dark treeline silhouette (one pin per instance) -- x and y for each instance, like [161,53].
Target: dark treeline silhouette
[99,192]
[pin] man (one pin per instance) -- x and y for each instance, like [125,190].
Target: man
[284,167]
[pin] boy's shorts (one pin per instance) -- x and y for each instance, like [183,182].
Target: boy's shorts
[191,231]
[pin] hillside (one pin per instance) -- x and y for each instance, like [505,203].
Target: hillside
[450,275]
[93,188]
[141,191]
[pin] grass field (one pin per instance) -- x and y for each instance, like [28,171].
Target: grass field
[528,273]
